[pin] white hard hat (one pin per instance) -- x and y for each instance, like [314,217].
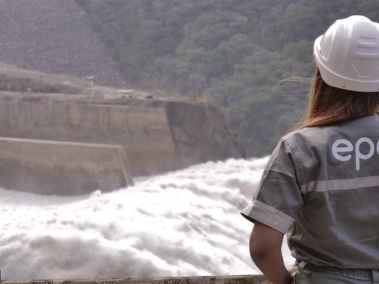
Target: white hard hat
[348,54]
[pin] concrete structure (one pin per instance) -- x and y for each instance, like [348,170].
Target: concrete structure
[158,134]
[143,132]
[47,167]
[243,279]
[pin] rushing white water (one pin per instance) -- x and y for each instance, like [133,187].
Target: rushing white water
[184,223]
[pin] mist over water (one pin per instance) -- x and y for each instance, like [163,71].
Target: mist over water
[184,223]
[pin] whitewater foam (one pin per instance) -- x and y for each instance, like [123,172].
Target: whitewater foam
[184,223]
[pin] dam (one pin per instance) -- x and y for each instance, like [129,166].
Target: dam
[158,134]
[63,136]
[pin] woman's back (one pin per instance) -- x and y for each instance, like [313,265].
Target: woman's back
[338,166]
[321,184]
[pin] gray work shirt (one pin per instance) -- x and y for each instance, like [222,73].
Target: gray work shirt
[321,187]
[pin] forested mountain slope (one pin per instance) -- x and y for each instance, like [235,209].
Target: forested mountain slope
[234,52]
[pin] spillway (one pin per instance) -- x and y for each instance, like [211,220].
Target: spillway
[182,223]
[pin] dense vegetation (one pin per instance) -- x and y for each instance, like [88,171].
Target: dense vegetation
[234,52]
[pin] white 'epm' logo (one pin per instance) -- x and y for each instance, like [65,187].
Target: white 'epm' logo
[345,146]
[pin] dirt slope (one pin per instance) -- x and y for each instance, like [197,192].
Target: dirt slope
[54,36]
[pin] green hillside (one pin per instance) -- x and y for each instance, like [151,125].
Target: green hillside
[234,52]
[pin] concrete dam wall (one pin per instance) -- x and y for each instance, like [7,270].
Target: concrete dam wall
[143,132]
[156,138]
[45,167]
[158,134]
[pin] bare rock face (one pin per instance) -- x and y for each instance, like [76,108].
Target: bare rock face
[54,36]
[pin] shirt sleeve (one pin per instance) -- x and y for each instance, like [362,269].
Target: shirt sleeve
[278,198]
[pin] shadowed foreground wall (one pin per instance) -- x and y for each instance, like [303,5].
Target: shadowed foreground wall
[46,167]
[244,279]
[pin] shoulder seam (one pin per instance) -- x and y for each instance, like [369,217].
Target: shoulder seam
[298,160]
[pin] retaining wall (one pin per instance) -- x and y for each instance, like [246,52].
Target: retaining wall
[48,167]
[243,279]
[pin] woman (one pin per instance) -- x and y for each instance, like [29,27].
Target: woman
[321,184]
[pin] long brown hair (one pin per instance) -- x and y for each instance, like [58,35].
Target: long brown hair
[329,105]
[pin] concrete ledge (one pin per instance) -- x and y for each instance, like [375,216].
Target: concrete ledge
[242,279]
[61,168]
